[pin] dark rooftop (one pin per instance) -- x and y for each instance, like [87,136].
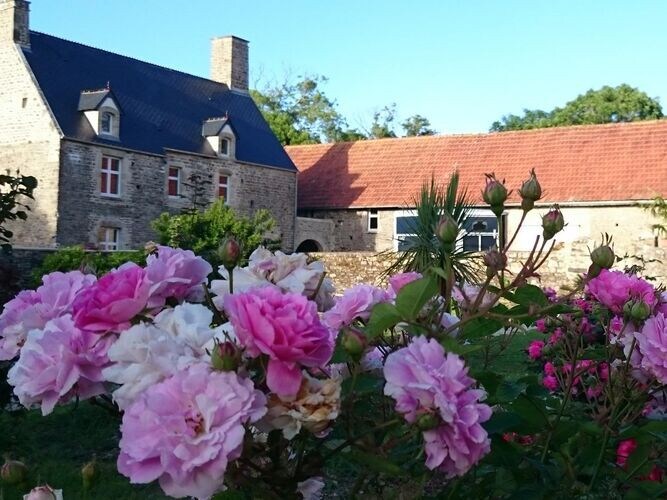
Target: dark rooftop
[162,108]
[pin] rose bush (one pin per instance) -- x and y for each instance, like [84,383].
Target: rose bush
[259,383]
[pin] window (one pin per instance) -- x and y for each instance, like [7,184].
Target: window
[223,187]
[406,228]
[109,239]
[174,181]
[106,123]
[373,221]
[224,146]
[480,233]
[110,176]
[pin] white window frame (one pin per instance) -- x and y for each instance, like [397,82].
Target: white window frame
[172,178]
[111,239]
[226,140]
[108,173]
[481,212]
[111,124]
[225,185]
[373,214]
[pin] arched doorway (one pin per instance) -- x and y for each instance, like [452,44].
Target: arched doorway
[307,246]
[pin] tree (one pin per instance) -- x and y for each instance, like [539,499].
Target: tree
[202,232]
[13,189]
[417,125]
[382,123]
[606,105]
[300,113]
[658,209]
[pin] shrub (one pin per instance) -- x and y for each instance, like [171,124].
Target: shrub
[76,257]
[202,232]
[12,189]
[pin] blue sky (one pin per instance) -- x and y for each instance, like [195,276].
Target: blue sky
[462,64]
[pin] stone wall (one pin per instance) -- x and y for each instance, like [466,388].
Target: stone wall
[350,230]
[29,142]
[83,210]
[321,231]
[562,266]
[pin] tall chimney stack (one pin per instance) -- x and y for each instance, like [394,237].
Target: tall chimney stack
[15,22]
[229,62]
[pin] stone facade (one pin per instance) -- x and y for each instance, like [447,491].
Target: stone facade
[351,232]
[29,142]
[314,232]
[143,192]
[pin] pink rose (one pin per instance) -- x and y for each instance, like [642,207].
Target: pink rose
[58,363]
[550,382]
[186,430]
[113,301]
[652,345]
[614,288]
[356,303]
[175,273]
[286,328]
[535,349]
[398,281]
[33,309]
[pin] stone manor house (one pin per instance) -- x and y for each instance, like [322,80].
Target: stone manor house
[114,141]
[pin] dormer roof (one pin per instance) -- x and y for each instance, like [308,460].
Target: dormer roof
[213,126]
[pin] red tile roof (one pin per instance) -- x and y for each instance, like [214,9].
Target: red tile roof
[593,163]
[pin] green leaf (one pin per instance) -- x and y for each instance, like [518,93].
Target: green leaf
[376,463]
[365,383]
[501,422]
[489,380]
[530,295]
[383,317]
[452,345]
[509,391]
[414,296]
[229,495]
[480,327]
[529,411]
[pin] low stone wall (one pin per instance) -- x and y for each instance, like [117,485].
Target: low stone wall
[561,268]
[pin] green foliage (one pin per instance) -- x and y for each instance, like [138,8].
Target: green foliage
[658,209]
[202,232]
[382,125]
[417,125]
[12,190]
[76,257]
[300,113]
[606,105]
[424,250]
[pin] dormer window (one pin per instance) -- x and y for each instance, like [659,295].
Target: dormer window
[106,123]
[102,111]
[220,136]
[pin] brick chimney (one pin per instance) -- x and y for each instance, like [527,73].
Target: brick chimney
[229,62]
[15,22]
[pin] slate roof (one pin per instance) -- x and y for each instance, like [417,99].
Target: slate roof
[593,163]
[162,108]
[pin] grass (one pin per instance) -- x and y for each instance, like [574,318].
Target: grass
[55,448]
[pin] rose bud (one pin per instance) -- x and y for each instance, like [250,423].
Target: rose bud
[225,357]
[88,473]
[13,472]
[353,342]
[427,421]
[495,193]
[640,310]
[603,256]
[447,229]
[230,253]
[552,223]
[593,271]
[530,192]
[495,262]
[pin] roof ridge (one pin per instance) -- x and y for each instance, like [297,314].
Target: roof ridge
[541,130]
[130,57]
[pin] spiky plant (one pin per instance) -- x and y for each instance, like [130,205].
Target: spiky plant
[423,250]
[658,209]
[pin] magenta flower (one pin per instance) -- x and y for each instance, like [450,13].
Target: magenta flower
[58,363]
[185,430]
[175,273]
[652,345]
[425,381]
[32,309]
[550,382]
[614,288]
[535,349]
[662,304]
[541,325]
[398,281]
[286,328]
[356,303]
[113,301]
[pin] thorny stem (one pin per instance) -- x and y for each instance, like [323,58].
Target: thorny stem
[351,440]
